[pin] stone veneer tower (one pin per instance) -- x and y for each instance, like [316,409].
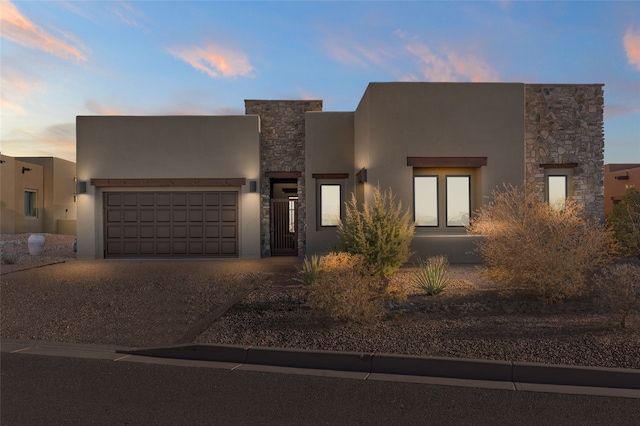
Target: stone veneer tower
[282,147]
[564,129]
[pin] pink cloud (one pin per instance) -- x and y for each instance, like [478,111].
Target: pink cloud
[344,49]
[128,14]
[100,109]
[631,41]
[450,66]
[17,85]
[16,27]
[215,60]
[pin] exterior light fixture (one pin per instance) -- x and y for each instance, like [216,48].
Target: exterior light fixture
[253,186]
[362,175]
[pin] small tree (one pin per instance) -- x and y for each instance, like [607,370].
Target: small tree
[625,221]
[527,244]
[381,232]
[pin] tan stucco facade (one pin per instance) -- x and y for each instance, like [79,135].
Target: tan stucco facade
[121,148]
[52,181]
[617,179]
[401,135]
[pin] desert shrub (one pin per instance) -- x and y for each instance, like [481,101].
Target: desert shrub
[381,232]
[625,221]
[619,289]
[526,244]
[310,269]
[348,288]
[431,275]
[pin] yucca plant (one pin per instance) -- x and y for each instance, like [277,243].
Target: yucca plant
[310,269]
[432,275]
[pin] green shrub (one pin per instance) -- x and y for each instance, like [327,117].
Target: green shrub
[432,275]
[528,245]
[619,290]
[310,269]
[380,232]
[347,288]
[625,221]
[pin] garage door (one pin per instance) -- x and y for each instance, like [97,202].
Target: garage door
[171,224]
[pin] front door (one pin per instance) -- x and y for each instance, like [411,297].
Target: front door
[284,227]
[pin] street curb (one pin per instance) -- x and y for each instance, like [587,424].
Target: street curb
[408,365]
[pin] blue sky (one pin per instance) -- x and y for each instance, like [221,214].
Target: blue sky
[61,59]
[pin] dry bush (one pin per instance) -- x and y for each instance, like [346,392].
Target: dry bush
[381,232]
[348,288]
[625,221]
[619,290]
[548,251]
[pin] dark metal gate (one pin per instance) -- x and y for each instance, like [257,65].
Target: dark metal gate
[284,227]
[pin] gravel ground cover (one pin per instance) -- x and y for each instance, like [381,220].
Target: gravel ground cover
[147,303]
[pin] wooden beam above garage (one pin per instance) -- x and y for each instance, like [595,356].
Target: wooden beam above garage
[161,182]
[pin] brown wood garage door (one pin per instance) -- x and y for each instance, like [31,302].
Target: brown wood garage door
[171,224]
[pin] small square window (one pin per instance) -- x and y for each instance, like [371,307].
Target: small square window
[330,201]
[30,206]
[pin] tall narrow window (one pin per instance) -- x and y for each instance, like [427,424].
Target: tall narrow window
[330,205]
[426,200]
[292,214]
[30,207]
[458,200]
[557,190]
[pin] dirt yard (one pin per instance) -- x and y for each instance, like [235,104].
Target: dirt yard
[143,303]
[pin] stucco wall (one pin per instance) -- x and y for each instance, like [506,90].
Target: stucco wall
[399,120]
[564,124]
[29,180]
[282,147]
[617,179]
[7,195]
[329,149]
[59,189]
[166,147]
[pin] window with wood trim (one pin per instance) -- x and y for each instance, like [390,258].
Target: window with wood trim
[330,204]
[445,197]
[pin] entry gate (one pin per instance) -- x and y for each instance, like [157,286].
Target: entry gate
[284,227]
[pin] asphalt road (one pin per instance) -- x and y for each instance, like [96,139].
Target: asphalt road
[48,390]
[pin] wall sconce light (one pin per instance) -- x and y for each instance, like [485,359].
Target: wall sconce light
[25,169]
[75,198]
[81,188]
[253,186]
[362,175]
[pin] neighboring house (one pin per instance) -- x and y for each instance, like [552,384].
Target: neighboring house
[37,195]
[274,181]
[617,179]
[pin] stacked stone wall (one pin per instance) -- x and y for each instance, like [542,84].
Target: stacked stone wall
[282,148]
[564,125]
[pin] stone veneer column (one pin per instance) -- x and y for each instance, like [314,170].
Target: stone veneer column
[564,124]
[282,148]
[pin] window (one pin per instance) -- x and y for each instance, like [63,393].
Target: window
[330,201]
[30,206]
[426,200]
[292,213]
[458,200]
[556,190]
[444,197]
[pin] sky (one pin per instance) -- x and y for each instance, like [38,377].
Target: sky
[61,59]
